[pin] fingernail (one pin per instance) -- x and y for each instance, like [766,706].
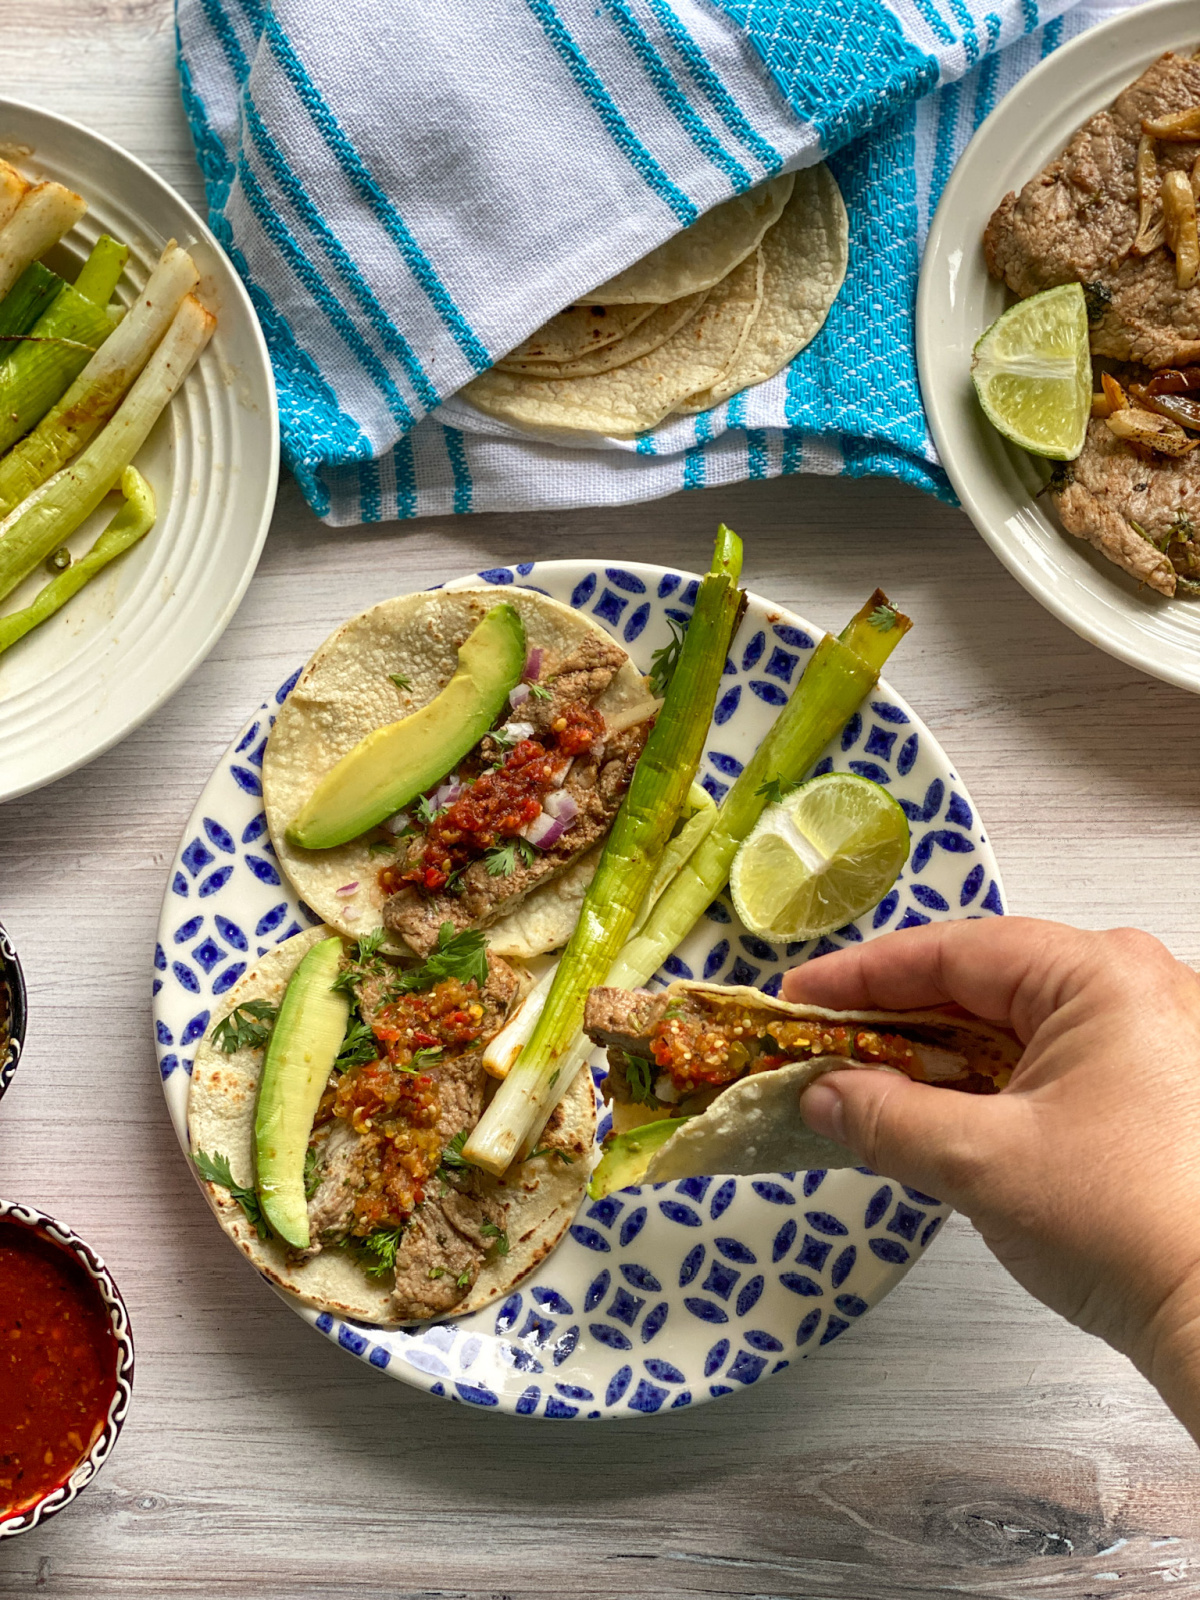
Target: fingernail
[822,1108]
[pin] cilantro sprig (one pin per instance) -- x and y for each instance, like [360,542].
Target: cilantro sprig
[774,789]
[215,1169]
[564,1156]
[458,955]
[489,1230]
[639,1075]
[247,1027]
[453,1160]
[400,680]
[379,1249]
[883,619]
[502,861]
[664,661]
[358,1046]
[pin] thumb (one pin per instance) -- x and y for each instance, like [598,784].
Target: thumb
[935,1140]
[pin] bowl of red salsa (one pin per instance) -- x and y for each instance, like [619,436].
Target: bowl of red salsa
[66,1366]
[12,1011]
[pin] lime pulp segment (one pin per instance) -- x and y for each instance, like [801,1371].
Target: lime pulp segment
[1032,371]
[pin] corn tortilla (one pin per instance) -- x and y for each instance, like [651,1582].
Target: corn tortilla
[574,333]
[635,396]
[700,256]
[804,264]
[648,335]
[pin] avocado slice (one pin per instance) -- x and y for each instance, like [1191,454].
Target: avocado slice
[627,1155]
[303,1046]
[396,763]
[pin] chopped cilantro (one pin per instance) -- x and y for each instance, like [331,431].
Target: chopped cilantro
[502,861]
[774,789]
[489,1230]
[437,1272]
[247,1027]
[540,692]
[463,1281]
[364,960]
[639,1075]
[400,680]
[215,1169]
[552,1150]
[358,1046]
[664,661]
[427,811]
[381,1247]
[312,1172]
[380,845]
[882,619]
[424,1058]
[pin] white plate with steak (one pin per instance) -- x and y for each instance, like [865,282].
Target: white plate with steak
[1069,135]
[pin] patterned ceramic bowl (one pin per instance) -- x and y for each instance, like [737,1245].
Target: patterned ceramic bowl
[13,1011]
[109,1296]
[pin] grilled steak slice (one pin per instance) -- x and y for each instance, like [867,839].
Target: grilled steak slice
[1076,221]
[442,1251]
[1144,516]
[596,784]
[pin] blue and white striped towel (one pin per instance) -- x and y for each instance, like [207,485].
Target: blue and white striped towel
[409,190]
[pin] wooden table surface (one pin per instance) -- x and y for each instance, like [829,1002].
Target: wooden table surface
[963,1441]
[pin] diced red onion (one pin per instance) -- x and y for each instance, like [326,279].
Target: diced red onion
[544,830]
[559,776]
[446,793]
[561,805]
[519,695]
[351,914]
[399,822]
[517,731]
[347,889]
[533,665]
[665,1090]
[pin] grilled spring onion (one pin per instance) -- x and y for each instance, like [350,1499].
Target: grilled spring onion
[842,672]
[99,388]
[131,523]
[639,835]
[34,292]
[517,1031]
[47,520]
[43,214]
[12,187]
[44,361]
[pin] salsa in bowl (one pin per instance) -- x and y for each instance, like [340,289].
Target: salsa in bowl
[12,1011]
[66,1366]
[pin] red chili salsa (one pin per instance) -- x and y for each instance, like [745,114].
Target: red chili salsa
[497,804]
[58,1366]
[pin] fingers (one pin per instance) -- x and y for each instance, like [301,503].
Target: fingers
[935,1140]
[1008,969]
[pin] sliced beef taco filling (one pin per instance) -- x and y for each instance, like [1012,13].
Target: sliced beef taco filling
[385,1176]
[533,796]
[676,1050]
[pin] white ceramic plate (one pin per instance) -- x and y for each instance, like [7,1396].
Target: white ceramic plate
[675,1293]
[997,482]
[79,683]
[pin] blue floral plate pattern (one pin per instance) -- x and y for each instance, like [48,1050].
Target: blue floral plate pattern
[671,1294]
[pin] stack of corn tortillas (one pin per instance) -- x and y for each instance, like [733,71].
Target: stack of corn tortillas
[724,304]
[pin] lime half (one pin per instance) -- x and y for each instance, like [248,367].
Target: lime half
[1033,373]
[826,853]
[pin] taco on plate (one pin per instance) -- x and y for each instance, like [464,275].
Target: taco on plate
[705,1078]
[455,756]
[392,1225]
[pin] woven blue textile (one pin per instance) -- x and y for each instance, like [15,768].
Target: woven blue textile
[409,191]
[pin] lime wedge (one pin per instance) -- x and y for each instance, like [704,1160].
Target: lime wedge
[826,853]
[1033,373]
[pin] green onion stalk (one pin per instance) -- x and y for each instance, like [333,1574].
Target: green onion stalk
[840,675]
[98,390]
[640,834]
[34,292]
[43,214]
[131,523]
[44,361]
[45,521]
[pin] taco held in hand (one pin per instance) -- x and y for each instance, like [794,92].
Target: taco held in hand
[331,1150]
[705,1078]
[447,758]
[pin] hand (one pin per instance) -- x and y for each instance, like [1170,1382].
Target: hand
[1083,1176]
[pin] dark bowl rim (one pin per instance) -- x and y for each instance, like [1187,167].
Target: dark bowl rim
[12,972]
[54,1500]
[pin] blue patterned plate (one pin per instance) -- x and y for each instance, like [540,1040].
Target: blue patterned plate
[671,1294]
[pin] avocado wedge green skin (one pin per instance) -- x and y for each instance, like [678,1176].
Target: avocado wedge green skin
[303,1046]
[627,1155]
[394,764]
